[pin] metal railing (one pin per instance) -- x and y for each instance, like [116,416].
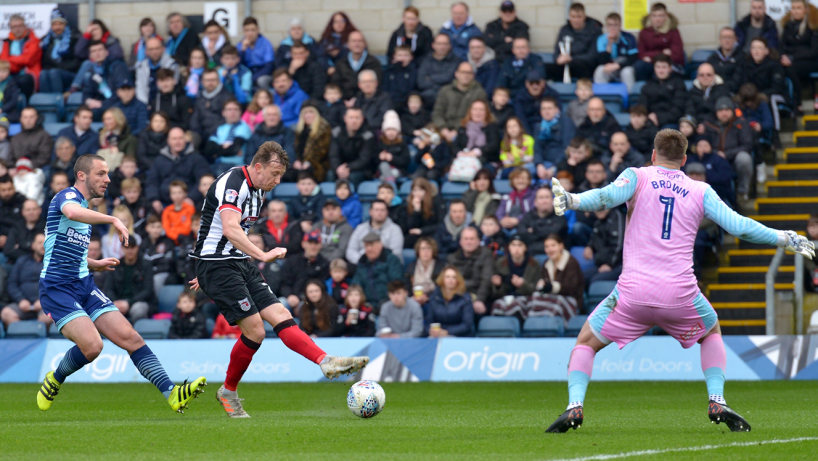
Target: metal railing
[798,289]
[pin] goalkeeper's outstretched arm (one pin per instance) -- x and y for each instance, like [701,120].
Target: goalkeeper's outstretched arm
[610,196]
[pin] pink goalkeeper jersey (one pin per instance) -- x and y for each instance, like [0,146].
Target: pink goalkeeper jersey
[663,218]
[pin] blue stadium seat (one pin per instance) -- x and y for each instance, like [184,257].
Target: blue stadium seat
[636,90]
[2,331]
[327,188]
[453,190]
[577,253]
[71,104]
[688,84]
[565,90]
[502,186]
[498,327]
[152,329]
[547,58]
[48,103]
[624,119]
[54,333]
[368,190]
[49,117]
[168,296]
[383,60]
[26,329]
[409,256]
[211,325]
[21,102]
[285,191]
[541,327]
[541,259]
[597,292]
[54,128]
[612,92]
[696,59]
[365,206]
[575,325]
[96,126]
[405,189]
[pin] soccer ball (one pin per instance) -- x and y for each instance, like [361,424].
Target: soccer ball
[366,399]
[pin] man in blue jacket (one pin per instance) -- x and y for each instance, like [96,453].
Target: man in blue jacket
[460,29]
[527,103]
[23,286]
[136,112]
[101,81]
[84,138]
[256,53]
[515,70]
[288,96]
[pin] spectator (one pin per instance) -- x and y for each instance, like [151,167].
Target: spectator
[664,95]
[355,315]
[63,163]
[130,285]
[370,99]
[178,160]
[481,199]
[296,34]
[577,156]
[111,245]
[756,110]
[30,181]
[332,107]
[81,134]
[95,252]
[22,50]
[310,144]
[181,41]
[97,31]
[727,57]
[198,63]
[400,317]
[223,330]
[207,110]
[500,107]
[9,108]
[350,203]
[536,225]
[478,135]
[158,249]
[115,138]
[519,202]
[353,149]
[735,142]
[214,41]
[450,310]
[449,230]
[306,207]
[287,96]
[620,156]
[493,236]
[176,217]
[334,45]
[563,283]
[641,131]
[500,33]
[460,28]
[617,52]
[135,111]
[527,104]
[390,234]
[235,78]
[300,269]
[152,140]
[266,126]
[437,69]
[579,37]
[756,24]
[353,63]
[277,230]
[147,69]
[411,33]
[23,286]
[577,109]
[227,144]
[552,135]
[393,158]
[401,77]
[476,263]
[515,275]
[171,100]
[256,53]
[799,46]
[335,231]
[24,232]
[454,100]
[707,89]
[433,153]
[599,125]
[338,282]
[11,206]
[595,176]
[188,322]
[5,144]
[516,70]
[422,272]
[59,64]
[389,194]
[101,78]
[127,171]
[307,73]
[486,69]
[32,142]
[605,247]
[376,268]
[319,313]
[659,37]
[764,71]
[717,170]
[147,31]
[424,211]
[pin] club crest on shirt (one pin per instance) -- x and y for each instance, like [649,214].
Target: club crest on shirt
[231,195]
[70,195]
[244,304]
[621,182]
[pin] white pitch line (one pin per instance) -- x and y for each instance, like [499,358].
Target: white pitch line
[700,448]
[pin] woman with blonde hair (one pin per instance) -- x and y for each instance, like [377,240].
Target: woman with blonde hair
[111,246]
[115,138]
[449,311]
[312,138]
[423,272]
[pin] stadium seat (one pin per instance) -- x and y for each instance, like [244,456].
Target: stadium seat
[541,259]
[688,84]
[409,256]
[73,102]
[54,128]
[565,90]
[624,119]
[578,254]
[598,291]
[168,296]
[21,102]
[405,189]
[499,327]
[285,191]
[96,126]
[14,128]
[575,325]
[636,90]
[211,325]
[453,190]
[547,58]
[696,59]
[368,190]
[365,206]
[542,327]
[502,186]
[612,92]
[26,329]
[48,104]
[152,329]
[383,60]
[269,332]
[54,332]
[2,331]
[327,188]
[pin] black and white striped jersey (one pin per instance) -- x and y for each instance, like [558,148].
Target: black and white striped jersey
[232,191]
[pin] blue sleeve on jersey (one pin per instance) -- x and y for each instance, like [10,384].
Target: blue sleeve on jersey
[735,224]
[65,197]
[610,196]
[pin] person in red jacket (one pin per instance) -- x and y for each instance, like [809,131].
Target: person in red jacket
[660,35]
[22,50]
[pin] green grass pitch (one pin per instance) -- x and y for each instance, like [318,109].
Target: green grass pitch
[474,421]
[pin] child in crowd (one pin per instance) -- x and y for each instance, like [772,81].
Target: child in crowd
[356,315]
[350,202]
[519,202]
[59,181]
[29,181]
[159,250]
[132,199]
[414,117]
[136,112]
[577,109]
[641,132]
[205,182]
[223,330]
[333,108]
[254,115]
[492,237]
[177,216]
[500,107]
[687,125]
[577,156]
[434,154]
[172,102]
[394,154]
[5,144]
[126,170]
[188,322]
[387,193]
[111,246]
[306,208]
[517,148]
[197,64]
[400,77]
[338,282]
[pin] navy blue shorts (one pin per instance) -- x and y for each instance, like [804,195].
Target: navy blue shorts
[65,300]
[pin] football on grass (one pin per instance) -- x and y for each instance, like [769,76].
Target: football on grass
[366,399]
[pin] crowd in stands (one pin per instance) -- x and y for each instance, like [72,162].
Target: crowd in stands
[462,105]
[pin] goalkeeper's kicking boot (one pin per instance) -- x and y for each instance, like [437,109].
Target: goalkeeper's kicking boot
[180,396]
[231,403]
[333,367]
[721,413]
[49,390]
[571,419]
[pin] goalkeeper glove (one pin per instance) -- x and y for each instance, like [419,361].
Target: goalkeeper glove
[797,244]
[563,200]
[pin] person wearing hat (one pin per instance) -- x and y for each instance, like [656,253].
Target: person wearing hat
[377,267]
[716,170]
[335,230]
[295,34]
[29,181]
[373,102]
[393,153]
[136,111]
[688,126]
[500,33]
[516,274]
[101,81]
[527,103]
[60,66]
[707,89]
[437,69]
[735,142]
[515,70]
[455,99]
[300,269]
